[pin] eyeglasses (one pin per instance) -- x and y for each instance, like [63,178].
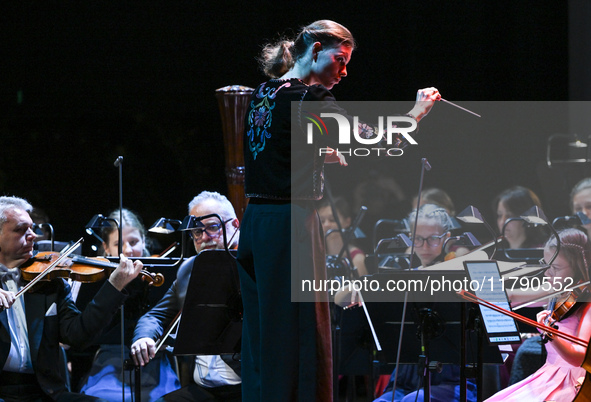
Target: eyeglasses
[553,267]
[212,230]
[432,241]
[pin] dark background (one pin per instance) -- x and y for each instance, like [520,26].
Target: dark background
[84,82]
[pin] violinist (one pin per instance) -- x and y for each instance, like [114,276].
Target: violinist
[32,326]
[104,378]
[215,378]
[434,227]
[558,379]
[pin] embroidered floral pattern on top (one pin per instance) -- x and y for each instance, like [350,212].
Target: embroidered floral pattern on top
[260,117]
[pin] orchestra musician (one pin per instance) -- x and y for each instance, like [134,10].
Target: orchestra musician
[104,378]
[32,326]
[133,236]
[561,375]
[435,196]
[510,203]
[334,240]
[215,378]
[290,358]
[433,227]
[580,200]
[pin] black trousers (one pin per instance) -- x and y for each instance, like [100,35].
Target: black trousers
[195,393]
[16,387]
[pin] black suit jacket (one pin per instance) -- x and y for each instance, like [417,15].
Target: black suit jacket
[52,317]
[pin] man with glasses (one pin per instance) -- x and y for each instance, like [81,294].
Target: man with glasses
[32,326]
[216,378]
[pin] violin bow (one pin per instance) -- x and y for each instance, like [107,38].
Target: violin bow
[529,303]
[63,255]
[169,330]
[475,299]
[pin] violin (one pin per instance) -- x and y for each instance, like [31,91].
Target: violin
[584,393]
[563,305]
[78,268]
[560,307]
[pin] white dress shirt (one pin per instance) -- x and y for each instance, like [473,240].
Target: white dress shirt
[19,358]
[211,371]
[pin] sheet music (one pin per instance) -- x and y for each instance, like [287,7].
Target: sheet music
[499,327]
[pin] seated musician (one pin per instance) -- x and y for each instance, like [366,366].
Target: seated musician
[32,326]
[580,200]
[510,203]
[105,376]
[433,227]
[334,240]
[216,378]
[435,196]
[559,378]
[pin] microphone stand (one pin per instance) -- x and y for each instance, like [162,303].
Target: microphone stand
[119,164]
[423,359]
[335,314]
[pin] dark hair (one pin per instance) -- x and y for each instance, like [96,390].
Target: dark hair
[517,200]
[341,205]
[278,58]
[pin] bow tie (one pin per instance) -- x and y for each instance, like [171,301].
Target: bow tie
[9,273]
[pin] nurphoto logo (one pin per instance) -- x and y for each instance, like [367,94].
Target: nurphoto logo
[381,135]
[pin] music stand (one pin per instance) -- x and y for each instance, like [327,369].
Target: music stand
[448,346]
[211,322]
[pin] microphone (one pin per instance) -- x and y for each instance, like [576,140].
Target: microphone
[118,161]
[426,164]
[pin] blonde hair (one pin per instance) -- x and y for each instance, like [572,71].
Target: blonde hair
[432,213]
[278,58]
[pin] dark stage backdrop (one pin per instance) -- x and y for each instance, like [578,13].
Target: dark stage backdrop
[84,82]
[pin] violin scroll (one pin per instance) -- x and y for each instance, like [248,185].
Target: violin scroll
[153,279]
